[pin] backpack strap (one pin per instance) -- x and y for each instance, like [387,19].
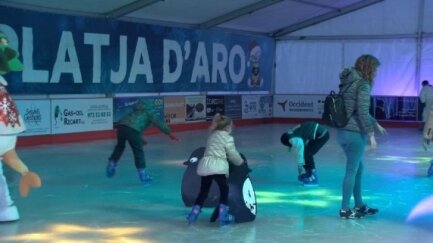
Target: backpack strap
[342,91]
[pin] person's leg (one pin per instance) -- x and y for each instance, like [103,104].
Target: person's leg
[8,211]
[135,141]
[222,183]
[357,190]
[308,178]
[309,161]
[353,144]
[360,206]
[117,152]
[120,146]
[311,149]
[205,184]
[223,215]
[353,147]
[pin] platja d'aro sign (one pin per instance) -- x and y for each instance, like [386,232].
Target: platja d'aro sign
[68,55]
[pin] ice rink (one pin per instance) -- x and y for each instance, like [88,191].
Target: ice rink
[78,203]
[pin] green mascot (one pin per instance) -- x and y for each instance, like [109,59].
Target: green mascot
[11,124]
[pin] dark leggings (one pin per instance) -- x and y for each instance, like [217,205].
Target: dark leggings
[135,140]
[311,149]
[206,182]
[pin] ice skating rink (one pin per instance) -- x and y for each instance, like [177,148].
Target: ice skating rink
[77,203]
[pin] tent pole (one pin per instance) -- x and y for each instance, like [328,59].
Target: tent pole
[419,42]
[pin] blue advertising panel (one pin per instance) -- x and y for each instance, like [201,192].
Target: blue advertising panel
[65,54]
[123,105]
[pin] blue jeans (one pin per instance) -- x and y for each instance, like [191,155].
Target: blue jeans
[353,144]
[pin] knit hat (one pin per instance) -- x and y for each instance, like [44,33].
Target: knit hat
[285,137]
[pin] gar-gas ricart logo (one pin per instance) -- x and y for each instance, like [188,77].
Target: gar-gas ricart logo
[68,116]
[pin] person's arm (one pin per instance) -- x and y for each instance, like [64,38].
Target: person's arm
[28,179]
[363,108]
[163,127]
[380,129]
[377,125]
[232,153]
[363,111]
[13,161]
[298,148]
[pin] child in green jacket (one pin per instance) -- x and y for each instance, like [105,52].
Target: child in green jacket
[130,129]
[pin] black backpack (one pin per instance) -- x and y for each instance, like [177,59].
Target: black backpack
[334,111]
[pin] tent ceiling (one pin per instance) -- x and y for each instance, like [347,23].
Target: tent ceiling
[275,18]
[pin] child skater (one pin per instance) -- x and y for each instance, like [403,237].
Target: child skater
[214,166]
[306,139]
[130,128]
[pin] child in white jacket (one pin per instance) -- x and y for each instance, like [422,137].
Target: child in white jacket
[214,166]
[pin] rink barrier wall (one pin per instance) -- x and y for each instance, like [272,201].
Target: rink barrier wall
[63,120]
[111,134]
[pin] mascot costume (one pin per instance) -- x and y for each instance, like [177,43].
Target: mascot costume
[11,124]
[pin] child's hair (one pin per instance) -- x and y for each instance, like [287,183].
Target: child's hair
[220,122]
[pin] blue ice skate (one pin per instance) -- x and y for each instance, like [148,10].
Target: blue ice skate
[193,215]
[110,170]
[224,217]
[144,177]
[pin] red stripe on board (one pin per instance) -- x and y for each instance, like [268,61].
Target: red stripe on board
[109,134]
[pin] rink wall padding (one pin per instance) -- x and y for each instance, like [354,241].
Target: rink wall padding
[111,134]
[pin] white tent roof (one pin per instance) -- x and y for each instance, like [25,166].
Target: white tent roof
[276,18]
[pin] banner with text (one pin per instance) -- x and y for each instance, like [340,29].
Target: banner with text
[81,115]
[233,106]
[36,115]
[299,106]
[174,109]
[214,105]
[65,54]
[256,106]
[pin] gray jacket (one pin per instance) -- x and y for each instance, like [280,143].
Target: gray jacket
[357,101]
